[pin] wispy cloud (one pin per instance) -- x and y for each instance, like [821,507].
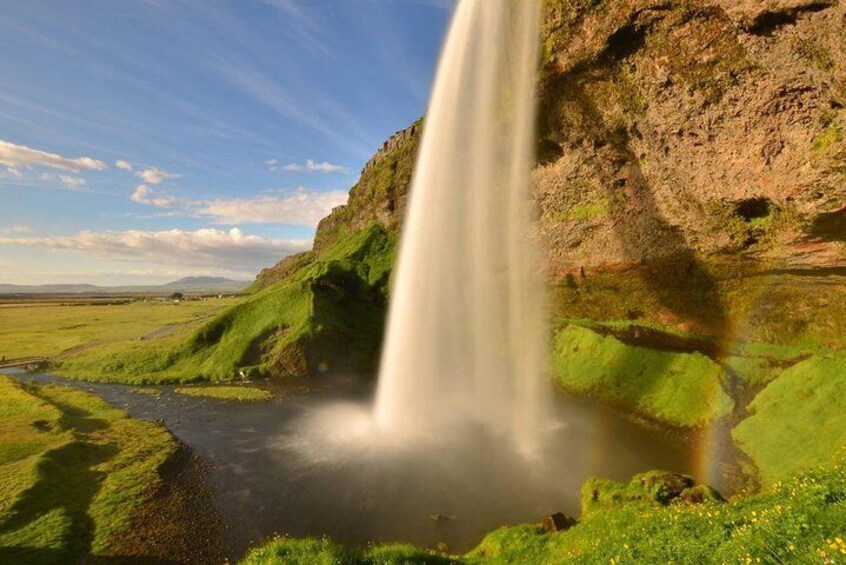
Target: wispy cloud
[301,208]
[204,248]
[15,229]
[123,165]
[310,166]
[17,157]
[73,182]
[145,195]
[301,24]
[154,175]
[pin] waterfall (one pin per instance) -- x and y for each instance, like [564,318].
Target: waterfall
[467,336]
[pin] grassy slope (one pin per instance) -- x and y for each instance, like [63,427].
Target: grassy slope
[332,305]
[683,389]
[798,420]
[43,330]
[72,472]
[792,522]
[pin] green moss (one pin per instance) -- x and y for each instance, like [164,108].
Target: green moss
[676,388]
[798,420]
[829,141]
[235,393]
[753,371]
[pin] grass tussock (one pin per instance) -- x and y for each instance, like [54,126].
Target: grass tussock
[230,393]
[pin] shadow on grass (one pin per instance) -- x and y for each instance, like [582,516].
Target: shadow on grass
[67,482]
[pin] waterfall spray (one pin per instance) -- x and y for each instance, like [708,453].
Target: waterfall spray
[467,334]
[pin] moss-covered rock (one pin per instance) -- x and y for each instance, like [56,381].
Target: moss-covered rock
[683,389]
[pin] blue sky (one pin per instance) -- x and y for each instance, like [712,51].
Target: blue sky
[144,140]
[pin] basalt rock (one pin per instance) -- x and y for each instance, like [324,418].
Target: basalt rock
[558,522]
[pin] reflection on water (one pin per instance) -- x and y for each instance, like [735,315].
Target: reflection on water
[308,465]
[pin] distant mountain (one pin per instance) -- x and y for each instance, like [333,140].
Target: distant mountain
[192,285]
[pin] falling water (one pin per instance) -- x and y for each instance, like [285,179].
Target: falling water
[466,333]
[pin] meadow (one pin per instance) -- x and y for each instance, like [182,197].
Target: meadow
[47,328]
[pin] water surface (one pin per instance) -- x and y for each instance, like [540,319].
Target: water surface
[305,464]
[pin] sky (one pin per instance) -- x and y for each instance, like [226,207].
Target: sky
[146,140]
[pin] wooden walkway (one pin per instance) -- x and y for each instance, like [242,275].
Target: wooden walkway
[24,362]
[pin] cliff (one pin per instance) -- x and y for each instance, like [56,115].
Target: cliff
[691,191]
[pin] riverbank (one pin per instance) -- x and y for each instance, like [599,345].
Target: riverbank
[81,480]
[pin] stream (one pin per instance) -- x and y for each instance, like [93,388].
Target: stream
[298,465]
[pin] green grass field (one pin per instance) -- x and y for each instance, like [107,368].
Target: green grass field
[73,471]
[37,329]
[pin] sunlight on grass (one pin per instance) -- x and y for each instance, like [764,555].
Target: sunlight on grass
[72,472]
[44,330]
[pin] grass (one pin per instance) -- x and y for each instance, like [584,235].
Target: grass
[799,520]
[797,419]
[681,389]
[329,313]
[232,393]
[32,329]
[325,552]
[73,470]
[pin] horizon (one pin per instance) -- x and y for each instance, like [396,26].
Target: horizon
[147,142]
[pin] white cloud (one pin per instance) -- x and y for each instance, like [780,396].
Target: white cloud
[155,175]
[312,167]
[203,249]
[303,208]
[18,156]
[14,172]
[123,165]
[144,195]
[271,162]
[72,181]
[15,229]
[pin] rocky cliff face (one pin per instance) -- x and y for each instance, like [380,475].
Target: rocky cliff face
[694,128]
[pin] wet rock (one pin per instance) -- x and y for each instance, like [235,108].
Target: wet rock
[441,518]
[700,494]
[558,522]
[665,487]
